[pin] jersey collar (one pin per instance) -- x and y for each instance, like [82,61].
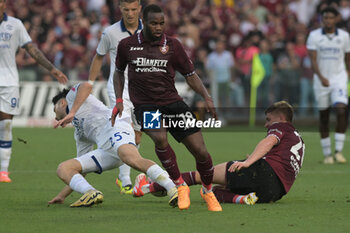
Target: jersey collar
[124,29]
[324,32]
[141,39]
[4,18]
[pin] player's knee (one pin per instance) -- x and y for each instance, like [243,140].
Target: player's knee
[201,153]
[341,110]
[66,167]
[61,169]
[324,122]
[161,141]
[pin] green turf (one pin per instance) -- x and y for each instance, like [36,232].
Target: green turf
[318,202]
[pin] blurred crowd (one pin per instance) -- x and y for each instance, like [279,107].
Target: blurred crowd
[220,36]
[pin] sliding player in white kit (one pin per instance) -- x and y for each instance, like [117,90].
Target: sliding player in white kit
[13,36]
[328,47]
[115,145]
[127,26]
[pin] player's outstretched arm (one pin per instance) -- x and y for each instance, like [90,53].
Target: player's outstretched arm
[83,92]
[118,82]
[61,196]
[196,84]
[260,151]
[42,60]
[95,67]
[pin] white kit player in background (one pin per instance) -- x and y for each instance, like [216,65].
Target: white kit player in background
[128,25]
[115,145]
[329,48]
[13,36]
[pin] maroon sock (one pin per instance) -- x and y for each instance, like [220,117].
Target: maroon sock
[189,178]
[206,170]
[155,187]
[168,159]
[223,195]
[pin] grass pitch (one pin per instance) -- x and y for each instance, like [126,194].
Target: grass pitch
[319,201]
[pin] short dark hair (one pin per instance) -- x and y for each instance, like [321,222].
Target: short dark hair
[282,107]
[129,1]
[60,95]
[153,8]
[329,9]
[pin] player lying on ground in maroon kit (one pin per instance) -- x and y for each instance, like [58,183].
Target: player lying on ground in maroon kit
[266,175]
[152,58]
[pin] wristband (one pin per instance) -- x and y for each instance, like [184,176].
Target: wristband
[119,100]
[91,82]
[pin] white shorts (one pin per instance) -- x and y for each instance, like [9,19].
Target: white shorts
[98,161]
[9,100]
[111,138]
[128,107]
[329,96]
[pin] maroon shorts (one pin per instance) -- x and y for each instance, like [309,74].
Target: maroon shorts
[259,178]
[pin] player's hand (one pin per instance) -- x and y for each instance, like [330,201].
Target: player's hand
[117,110]
[56,200]
[62,78]
[324,82]
[65,121]
[236,166]
[210,107]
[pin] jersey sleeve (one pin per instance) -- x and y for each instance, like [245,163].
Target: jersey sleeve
[72,94]
[23,36]
[276,131]
[310,43]
[121,59]
[182,62]
[104,44]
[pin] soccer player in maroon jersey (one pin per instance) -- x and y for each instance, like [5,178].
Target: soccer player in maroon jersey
[152,58]
[267,174]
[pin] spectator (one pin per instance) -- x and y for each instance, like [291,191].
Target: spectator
[288,67]
[198,103]
[267,61]
[244,56]
[220,65]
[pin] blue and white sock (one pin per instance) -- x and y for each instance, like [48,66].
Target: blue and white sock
[5,144]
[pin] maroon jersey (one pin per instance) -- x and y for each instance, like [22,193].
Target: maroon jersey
[286,158]
[151,68]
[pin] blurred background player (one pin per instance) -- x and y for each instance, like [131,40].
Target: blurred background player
[115,145]
[152,58]
[127,26]
[13,36]
[266,175]
[327,47]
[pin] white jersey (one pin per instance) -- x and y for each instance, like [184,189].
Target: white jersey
[92,123]
[109,42]
[12,36]
[331,51]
